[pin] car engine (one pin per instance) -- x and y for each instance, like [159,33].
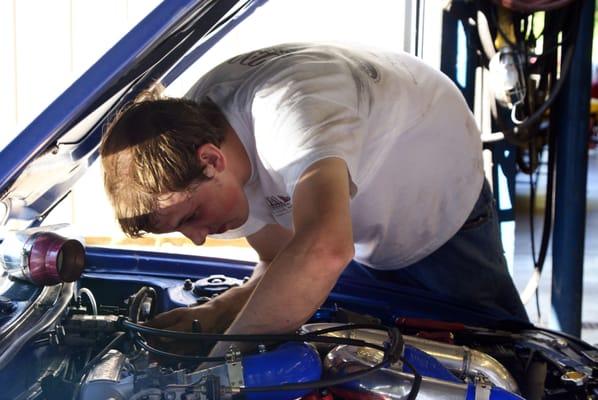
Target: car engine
[67,336]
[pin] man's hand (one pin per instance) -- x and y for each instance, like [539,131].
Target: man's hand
[208,318]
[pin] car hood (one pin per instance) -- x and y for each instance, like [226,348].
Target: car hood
[39,167]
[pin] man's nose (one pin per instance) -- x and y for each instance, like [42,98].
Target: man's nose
[196,235]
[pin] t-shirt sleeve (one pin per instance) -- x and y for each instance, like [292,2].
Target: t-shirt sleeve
[309,112]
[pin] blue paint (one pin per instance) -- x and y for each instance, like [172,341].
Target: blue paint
[572,121]
[355,289]
[495,394]
[426,365]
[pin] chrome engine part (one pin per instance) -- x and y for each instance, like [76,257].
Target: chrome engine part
[31,318]
[108,380]
[392,384]
[41,256]
[461,360]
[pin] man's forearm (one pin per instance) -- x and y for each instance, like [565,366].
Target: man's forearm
[295,284]
[232,301]
[291,290]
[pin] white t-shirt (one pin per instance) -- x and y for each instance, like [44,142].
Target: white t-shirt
[412,148]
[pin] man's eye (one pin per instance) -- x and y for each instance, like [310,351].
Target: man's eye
[185,221]
[190,218]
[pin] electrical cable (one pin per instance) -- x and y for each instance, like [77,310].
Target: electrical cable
[532,211]
[318,384]
[532,206]
[144,294]
[128,325]
[417,381]
[183,357]
[391,352]
[91,298]
[487,42]
[533,282]
[512,133]
[499,29]
[347,327]
[314,336]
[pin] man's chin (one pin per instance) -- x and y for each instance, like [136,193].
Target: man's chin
[237,224]
[221,230]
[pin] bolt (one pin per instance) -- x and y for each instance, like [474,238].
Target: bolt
[170,395]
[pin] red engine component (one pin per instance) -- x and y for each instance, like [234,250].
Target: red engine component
[54,259]
[42,257]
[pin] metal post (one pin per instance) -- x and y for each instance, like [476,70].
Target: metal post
[457,60]
[572,107]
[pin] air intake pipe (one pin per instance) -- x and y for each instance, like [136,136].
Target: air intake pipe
[461,360]
[390,384]
[41,257]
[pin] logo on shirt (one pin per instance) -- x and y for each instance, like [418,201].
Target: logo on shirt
[279,204]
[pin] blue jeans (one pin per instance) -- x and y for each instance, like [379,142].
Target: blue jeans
[470,267]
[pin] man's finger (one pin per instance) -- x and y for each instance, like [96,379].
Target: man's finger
[165,320]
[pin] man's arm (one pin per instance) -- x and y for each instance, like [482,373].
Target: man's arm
[301,275]
[268,242]
[217,314]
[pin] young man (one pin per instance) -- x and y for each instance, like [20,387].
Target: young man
[317,154]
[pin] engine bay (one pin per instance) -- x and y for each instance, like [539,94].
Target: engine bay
[86,339]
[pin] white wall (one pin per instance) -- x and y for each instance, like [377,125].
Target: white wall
[46,45]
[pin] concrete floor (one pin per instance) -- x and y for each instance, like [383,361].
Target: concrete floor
[523,264]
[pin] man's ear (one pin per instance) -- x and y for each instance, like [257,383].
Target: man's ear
[211,159]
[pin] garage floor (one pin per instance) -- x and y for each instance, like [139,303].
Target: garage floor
[523,255]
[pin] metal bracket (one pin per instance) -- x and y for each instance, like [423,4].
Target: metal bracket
[234,367]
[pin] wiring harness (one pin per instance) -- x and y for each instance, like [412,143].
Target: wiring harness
[392,350]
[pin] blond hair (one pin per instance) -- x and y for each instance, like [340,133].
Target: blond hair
[149,148]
